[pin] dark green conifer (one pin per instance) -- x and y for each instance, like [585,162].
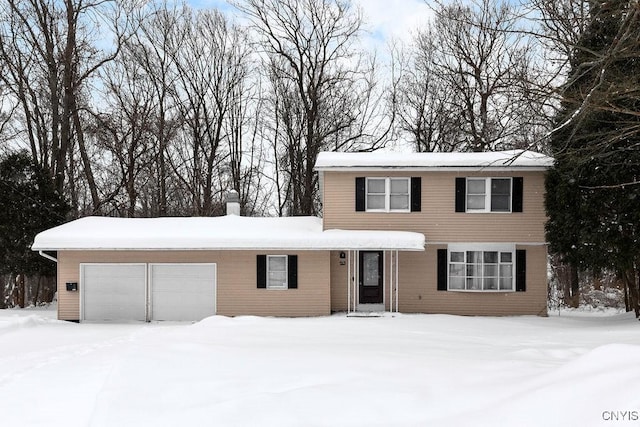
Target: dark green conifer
[29,204]
[593,192]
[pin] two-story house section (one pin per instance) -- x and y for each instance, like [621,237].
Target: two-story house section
[482,215]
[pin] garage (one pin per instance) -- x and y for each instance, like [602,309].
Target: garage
[182,291]
[141,292]
[113,291]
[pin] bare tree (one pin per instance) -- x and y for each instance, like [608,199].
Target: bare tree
[47,49]
[211,67]
[124,130]
[484,63]
[155,49]
[423,106]
[322,93]
[246,153]
[560,24]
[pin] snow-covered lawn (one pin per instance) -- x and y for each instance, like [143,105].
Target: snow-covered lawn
[408,370]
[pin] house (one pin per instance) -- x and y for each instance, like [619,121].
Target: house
[457,233]
[482,215]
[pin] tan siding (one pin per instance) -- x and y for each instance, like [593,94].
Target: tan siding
[419,294]
[338,283]
[68,302]
[417,288]
[438,219]
[237,293]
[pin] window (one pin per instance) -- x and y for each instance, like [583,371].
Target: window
[388,194]
[380,194]
[277,272]
[488,195]
[481,269]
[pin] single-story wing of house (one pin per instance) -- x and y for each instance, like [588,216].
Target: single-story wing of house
[145,269]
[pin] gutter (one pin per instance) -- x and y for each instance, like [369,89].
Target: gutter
[49,257]
[371,168]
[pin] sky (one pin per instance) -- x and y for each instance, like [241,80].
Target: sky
[385,20]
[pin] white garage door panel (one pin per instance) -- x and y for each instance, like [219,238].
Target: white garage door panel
[113,291]
[183,291]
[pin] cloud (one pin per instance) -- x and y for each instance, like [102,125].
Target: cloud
[393,19]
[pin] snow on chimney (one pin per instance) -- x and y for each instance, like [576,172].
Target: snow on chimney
[233,203]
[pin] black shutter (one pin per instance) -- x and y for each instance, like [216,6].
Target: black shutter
[516,197]
[442,269]
[261,271]
[416,193]
[461,194]
[360,205]
[521,270]
[292,271]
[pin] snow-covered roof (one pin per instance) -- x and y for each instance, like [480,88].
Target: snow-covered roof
[229,232]
[510,159]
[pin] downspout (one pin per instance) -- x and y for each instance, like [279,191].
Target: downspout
[49,257]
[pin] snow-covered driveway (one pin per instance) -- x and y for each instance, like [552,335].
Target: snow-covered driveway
[409,370]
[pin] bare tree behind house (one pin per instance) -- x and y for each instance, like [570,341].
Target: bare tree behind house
[424,114]
[560,24]
[48,52]
[211,65]
[484,64]
[124,130]
[155,47]
[323,93]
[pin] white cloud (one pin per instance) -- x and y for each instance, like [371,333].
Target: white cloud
[393,19]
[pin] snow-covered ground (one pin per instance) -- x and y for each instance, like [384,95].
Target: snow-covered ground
[578,369]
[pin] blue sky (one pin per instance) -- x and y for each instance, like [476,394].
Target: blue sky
[385,19]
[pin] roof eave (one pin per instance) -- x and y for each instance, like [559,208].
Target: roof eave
[433,168]
[265,248]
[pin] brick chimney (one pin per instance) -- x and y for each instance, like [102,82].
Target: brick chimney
[233,203]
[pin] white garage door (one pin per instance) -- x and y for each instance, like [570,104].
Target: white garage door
[182,291]
[113,291]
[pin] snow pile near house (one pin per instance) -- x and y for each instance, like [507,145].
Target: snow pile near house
[407,370]
[229,232]
[498,159]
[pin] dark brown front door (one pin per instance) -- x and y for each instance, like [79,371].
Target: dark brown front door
[371,270]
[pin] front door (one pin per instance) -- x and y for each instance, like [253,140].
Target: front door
[371,271]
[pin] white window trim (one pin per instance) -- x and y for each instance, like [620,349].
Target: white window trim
[487,194]
[286,273]
[484,247]
[387,194]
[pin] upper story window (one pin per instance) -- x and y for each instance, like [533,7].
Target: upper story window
[388,194]
[479,194]
[488,194]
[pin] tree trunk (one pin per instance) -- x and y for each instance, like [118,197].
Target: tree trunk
[636,287]
[20,290]
[627,302]
[37,292]
[5,284]
[86,163]
[631,281]
[575,286]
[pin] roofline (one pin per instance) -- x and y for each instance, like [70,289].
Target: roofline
[433,168]
[376,248]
